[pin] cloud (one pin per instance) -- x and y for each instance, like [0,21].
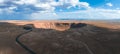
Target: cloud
[68,4]
[91,14]
[21,2]
[75,3]
[109,4]
[25,5]
[1,1]
[43,16]
[40,5]
[46,9]
[34,9]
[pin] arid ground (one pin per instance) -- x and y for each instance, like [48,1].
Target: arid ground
[60,37]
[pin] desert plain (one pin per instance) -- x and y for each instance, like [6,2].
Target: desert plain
[60,37]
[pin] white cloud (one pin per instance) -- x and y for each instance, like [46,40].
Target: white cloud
[43,15]
[41,5]
[1,1]
[12,7]
[72,3]
[91,14]
[44,9]
[109,4]
[80,14]
[25,1]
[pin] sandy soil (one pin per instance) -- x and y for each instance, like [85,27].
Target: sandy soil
[61,37]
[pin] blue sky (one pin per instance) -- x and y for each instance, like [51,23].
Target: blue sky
[59,9]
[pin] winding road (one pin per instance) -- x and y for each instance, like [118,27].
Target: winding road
[22,45]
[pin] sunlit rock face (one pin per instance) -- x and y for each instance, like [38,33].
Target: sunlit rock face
[45,25]
[56,26]
[59,26]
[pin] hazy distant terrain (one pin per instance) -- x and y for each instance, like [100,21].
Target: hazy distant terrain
[60,37]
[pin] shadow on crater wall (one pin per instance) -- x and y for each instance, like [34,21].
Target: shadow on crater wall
[79,25]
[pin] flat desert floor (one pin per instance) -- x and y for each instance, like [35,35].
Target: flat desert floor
[60,37]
